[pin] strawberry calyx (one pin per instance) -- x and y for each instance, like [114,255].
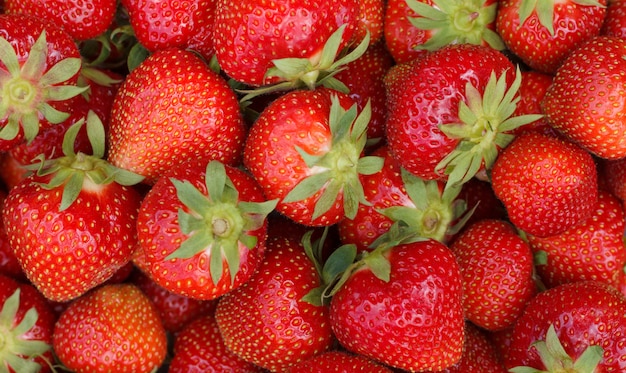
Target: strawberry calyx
[75,172]
[456,22]
[436,214]
[545,11]
[556,360]
[318,70]
[337,171]
[485,124]
[27,89]
[219,222]
[15,351]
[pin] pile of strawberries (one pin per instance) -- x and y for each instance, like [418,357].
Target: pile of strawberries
[313,186]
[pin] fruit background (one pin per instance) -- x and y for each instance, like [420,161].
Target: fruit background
[299,186]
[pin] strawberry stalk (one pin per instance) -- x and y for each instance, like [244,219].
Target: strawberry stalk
[16,351]
[545,11]
[218,222]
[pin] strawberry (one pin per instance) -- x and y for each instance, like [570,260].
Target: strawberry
[266,321]
[546,184]
[9,265]
[542,33]
[574,327]
[615,19]
[71,223]
[114,328]
[84,19]
[39,71]
[591,250]
[370,21]
[203,228]
[481,201]
[26,325]
[257,43]
[399,297]
[585,106]
[450,111]
[613,174]
[305,149]
[532,90]
[338,362]
[199,348]
[169,109]
[160,25]
[497,269]
[415,26]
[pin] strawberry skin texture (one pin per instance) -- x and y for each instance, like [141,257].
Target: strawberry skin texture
[532,42]
[114,328]
[497,268]
[615,20]
[66,253]
[546,184]
[420,305]
[426,94]
[249,34]
[583,313]
[172,108]
[265,321]
[338,362]
[591,250]
[588,108]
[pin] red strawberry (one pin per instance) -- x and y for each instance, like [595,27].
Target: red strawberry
[615,19]
[202,229]
[39,71]
[9,265]
[571,326]
[199,348]
[613,174]
[82,19]
[497,268]
[586,107]
[450,111]
[306,150]
[160,25]
[266,321]
[171,108]
[251,38]
[370,20]
[338,362]
[114,328]
[591,250]
[409,295]
[481,201]
[532,90]
[26,322]
[546,184]
[415,26]
[72,223]
[543,33]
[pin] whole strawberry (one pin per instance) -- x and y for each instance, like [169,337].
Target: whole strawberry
[546,184]
[409,295]
[586,107]
[72,222]
[114,328]
[171,108]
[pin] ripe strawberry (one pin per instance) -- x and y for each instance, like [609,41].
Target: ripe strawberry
[338,362]
[39,71]
[415,26]
[82,19]
[172,108]
[251,38]
[114,328]
[574,327]
[9,265]
[370,21]
[450,111]
[532,90]
[615,19]
[199,348]
[543,33]
[481,201]
[497,268]
[26,324]
[71,223]
[591,250]
[585,107]
[409,295]
[546,184]
[160,25]
[613,175]
[102,86]
[266,321]
[203,228]
[306,150]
